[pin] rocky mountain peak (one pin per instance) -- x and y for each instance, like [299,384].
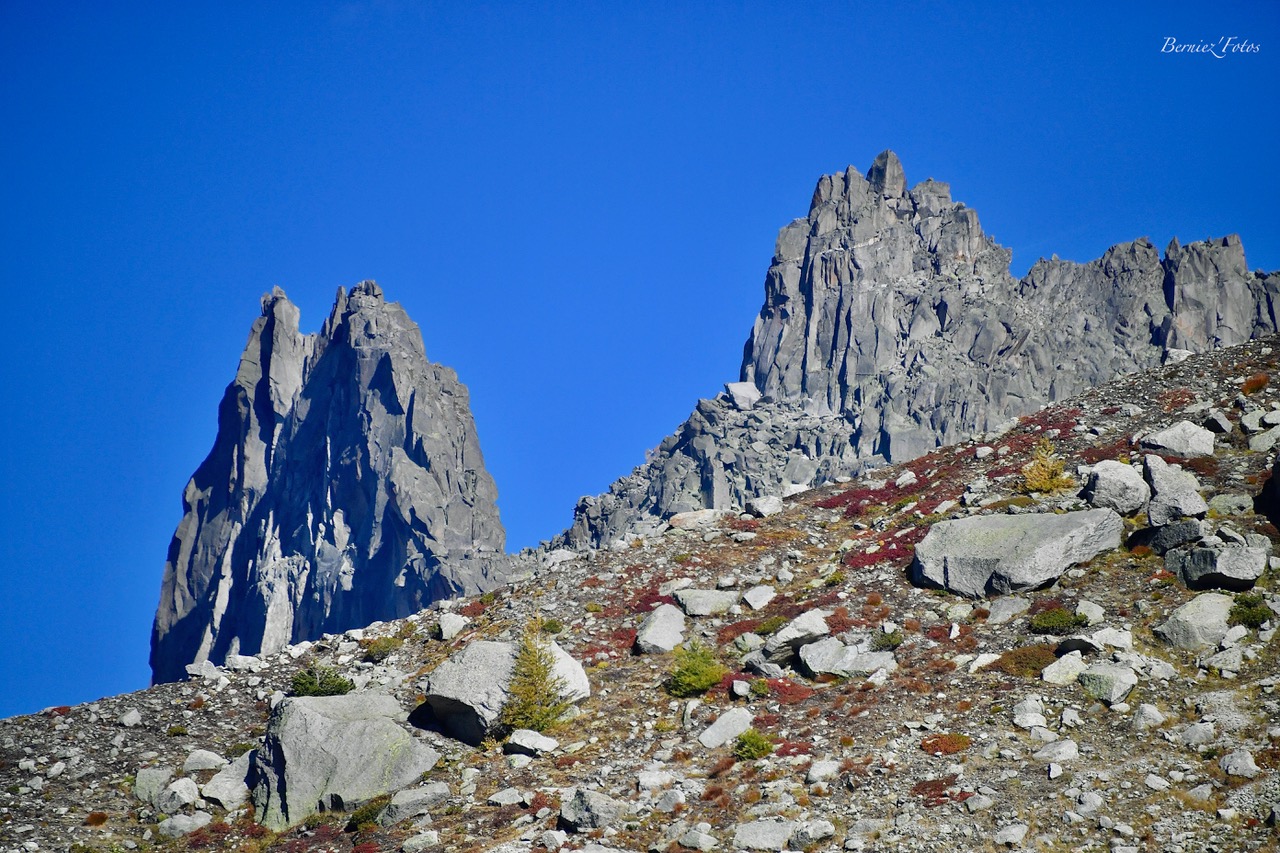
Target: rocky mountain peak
[346,485]
[891,325]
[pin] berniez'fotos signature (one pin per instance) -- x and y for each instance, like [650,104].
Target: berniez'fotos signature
[1219,49]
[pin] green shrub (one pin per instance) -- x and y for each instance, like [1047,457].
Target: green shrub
[238,749]
[772,625]
[176,731]
[594,607]
[751,745]
[697,671]
[1057,621]
[321,681]
[552,626]
[376,651]
[367,814]
[834,579]
[1249,610]
[760,687]
[536,695]
[883,642]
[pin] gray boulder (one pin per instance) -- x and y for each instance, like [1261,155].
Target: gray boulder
[805,628]
[1174,492]
[1168,536]
[1198,624]
[1230,566]
[412,802]
[997,554]
[528,742]
[203,759]
[727,726]
[706,602]
[179,793]
[1113,485]
[1108,682]
[466,692]
[229,788]
[765,835]
[149,782]
[661,631]
[583,809]
[1240,763]
[765,506]
[833,657]
[744,395]
[279,541]
[333,753]
[1183,439]
[180,825]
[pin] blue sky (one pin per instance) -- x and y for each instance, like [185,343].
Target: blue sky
[577,203]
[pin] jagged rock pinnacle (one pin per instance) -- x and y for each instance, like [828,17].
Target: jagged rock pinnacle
[346,485]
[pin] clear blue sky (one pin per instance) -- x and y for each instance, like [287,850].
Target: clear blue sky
[577,204]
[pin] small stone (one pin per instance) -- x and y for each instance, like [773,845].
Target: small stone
[131,718]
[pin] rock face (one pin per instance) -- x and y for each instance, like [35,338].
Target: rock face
[891,325]
[345,486]
[333,753]
[997,554]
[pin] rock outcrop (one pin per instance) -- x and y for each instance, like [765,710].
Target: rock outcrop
[345,486]
[891,325]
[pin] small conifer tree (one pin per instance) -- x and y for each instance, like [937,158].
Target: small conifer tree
[536,695]
[1044,473]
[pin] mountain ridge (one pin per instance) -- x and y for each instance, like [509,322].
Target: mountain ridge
[891,325]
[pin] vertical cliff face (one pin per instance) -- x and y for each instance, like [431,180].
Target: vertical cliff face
[345,485]
[892,325]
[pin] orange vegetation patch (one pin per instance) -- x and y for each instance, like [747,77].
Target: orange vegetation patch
[945,744]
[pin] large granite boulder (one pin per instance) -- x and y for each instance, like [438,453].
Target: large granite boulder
[466,692]
[1200,623]
[1183,439]
[1232,566]
[1114,485]
[662,630]
[891,325]
[345,486]
[333,753]
[998,554]
[1175,493]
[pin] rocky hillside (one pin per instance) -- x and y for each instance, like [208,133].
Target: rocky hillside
[891,325]
[346,485]
[1058,636]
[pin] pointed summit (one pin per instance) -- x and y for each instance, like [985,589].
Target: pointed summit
[886,175]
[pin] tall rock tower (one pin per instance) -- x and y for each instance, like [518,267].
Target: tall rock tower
[346,485]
